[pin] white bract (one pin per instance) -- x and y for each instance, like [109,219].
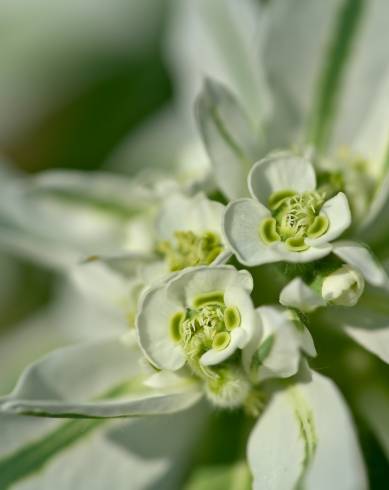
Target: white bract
[288,218]
[276,353]
[343,287]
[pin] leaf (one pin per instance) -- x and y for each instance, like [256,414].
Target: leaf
[230,139]
[227,35]
[305,439]
[367,323]
[109,372]
[151,452]
[58,217]
[329,86]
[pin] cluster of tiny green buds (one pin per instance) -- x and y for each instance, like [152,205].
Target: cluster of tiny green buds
[295,217]
[189,249]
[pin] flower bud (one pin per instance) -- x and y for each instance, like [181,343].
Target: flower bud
[343,287]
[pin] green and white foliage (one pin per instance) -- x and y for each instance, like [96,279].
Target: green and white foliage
[306,439]
[298,142]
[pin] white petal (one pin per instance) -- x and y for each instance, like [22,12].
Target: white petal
[285,354]
[291,444]
[278,173]
[359,256]
[181,213]
[241,225]
[337,210]
[296,294]
[212,356]
[155,311]
[195,281]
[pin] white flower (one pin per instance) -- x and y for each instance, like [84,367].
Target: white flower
[200,317]
[343,287]
[188,232]
[288,219]
[276,352]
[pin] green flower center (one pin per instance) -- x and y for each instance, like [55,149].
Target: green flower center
[188,249]
[295,217]
[207,325]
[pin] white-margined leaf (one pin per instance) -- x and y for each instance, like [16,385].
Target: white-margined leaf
[231,139]
[306,439]
[97,379]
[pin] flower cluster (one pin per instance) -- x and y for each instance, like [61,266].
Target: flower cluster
[212,288]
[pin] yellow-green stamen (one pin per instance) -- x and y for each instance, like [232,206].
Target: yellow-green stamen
[205,325]
[221,341]
[296,244]
[231,318]
[175,326]
[318,227]
[208,298]
[189,249]
[268,231]
[278,197]
[294,217]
